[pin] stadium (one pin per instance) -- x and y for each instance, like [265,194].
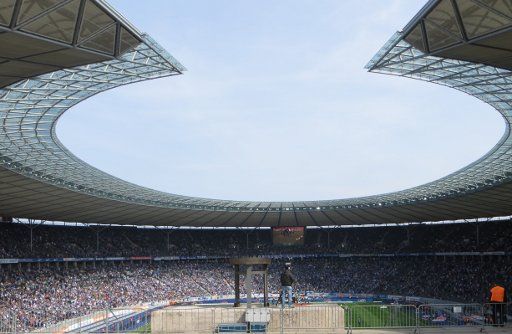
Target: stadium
[84,251]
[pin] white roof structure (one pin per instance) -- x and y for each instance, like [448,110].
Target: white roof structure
[57,53]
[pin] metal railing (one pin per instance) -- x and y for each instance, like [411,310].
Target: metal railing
[372,316]
[104,321]
[312,318]
[197,319]
[327,318]
[424,316]
[7,322]
[495,314]
[450,315]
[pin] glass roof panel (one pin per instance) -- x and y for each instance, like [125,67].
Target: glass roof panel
[415,38]
[438,38]
[58,24]
[103,42]
[93,21]
[32,8]
[444,16]
[6,8]
[503,6]
[128,41]
[478,20]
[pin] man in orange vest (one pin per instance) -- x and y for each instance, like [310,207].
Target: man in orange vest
[498,302]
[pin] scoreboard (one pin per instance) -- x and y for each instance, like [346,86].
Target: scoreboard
[288,236]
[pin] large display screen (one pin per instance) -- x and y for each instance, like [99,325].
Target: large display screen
[288,236]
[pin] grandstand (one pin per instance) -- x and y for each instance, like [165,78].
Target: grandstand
[82,250]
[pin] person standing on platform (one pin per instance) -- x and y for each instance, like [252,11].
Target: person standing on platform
[287,281]
[498,302]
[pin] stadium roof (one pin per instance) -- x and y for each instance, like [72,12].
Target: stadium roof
[41,36]
[57,53]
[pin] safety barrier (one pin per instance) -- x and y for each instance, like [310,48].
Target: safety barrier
[495,314]
[309,319]
[193,319]
[304,319]
[424,316]
[119,320]
[450,315]
[312,318]
[7,322]
[373,316]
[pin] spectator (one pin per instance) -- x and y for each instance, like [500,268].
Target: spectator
[40,297]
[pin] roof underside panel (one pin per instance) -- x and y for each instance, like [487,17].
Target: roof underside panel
[42,36]
[20,197]
[470,30]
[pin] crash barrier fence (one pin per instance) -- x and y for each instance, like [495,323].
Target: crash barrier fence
[326,318]
[119,320]
[418,317]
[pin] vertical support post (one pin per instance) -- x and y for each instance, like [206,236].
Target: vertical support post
[477,235]
[237,285]
[265,287]
[31,226]
[247,240]
[97,230]
[14,321]
[281,320]
[417,319]
[31,240]
[248,286]
[97,241]
[106,320]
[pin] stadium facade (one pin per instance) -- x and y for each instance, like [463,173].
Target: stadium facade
[55,54]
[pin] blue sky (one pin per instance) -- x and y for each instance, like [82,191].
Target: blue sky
[276,105]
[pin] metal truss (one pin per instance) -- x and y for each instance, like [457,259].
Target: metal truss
[471,30]
[30,109]
[74,23]
[489,84]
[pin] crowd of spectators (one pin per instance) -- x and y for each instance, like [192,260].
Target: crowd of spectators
[42,296]
[45,241]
